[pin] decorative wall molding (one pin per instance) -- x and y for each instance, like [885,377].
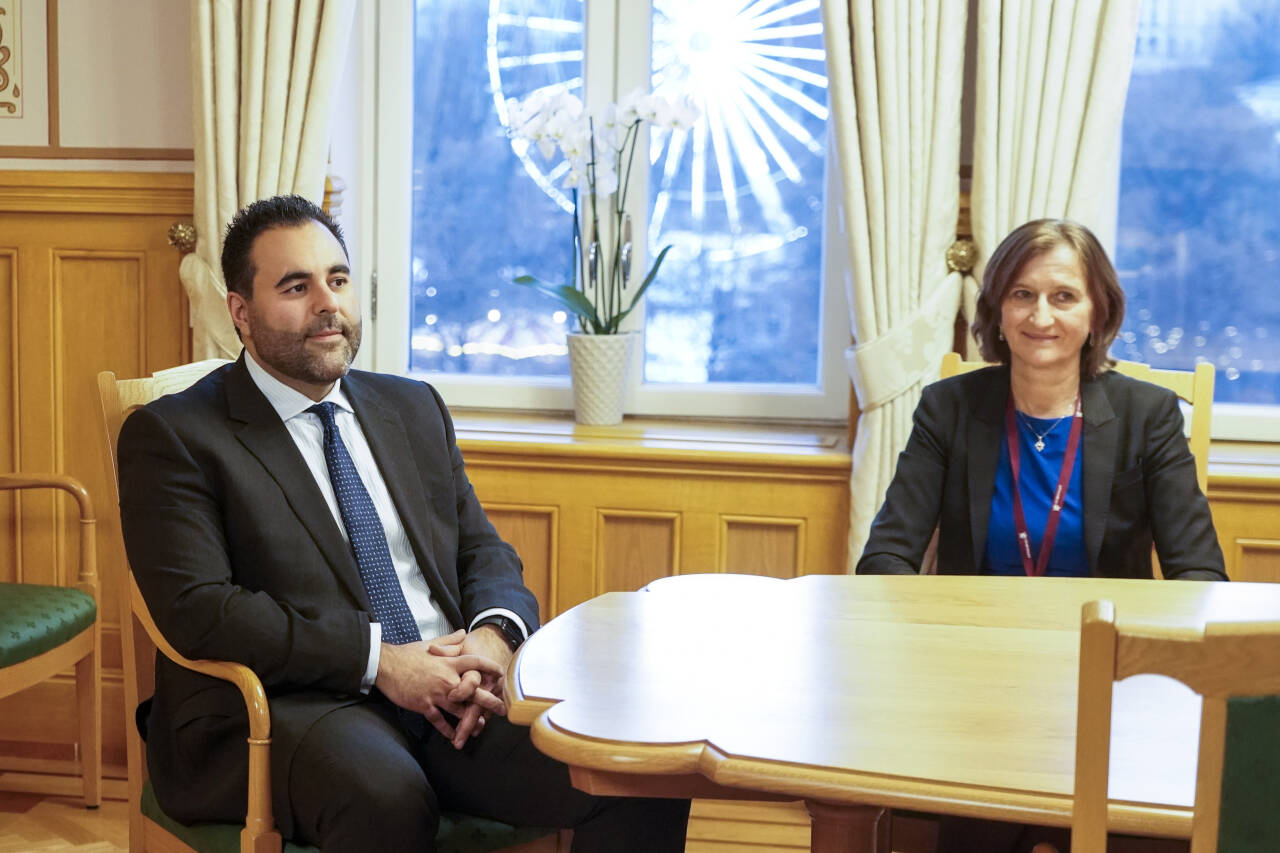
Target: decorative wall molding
[166,193]
[12,82]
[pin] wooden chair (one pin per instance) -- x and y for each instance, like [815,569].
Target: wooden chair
[1195,387]
[45,630]
[1235,667]
[150,829]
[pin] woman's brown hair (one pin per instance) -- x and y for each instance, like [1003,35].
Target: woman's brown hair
[1029,241]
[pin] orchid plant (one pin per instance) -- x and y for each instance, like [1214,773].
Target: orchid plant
[598,150]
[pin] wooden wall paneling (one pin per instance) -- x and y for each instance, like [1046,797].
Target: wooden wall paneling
[1257,560]
[1246,514]
[91,284]
[576,579]
[762,546]
[634,547]
[8,410]
[533,531]
[610,497]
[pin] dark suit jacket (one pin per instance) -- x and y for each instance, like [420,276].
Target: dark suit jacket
[1139,482]
[239,558]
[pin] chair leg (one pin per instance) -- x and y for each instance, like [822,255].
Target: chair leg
[89,709]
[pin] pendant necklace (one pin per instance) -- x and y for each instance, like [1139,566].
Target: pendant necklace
[1040,436]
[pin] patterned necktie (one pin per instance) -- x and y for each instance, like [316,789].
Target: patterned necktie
[368,540]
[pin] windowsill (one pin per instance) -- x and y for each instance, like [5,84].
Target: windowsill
[1244,463]
[813,445]
[809,445]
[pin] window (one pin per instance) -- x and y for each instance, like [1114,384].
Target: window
[740,321]
[1198,244]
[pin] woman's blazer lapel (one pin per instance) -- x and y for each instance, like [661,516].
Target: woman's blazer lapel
[983,455]
[1100,435]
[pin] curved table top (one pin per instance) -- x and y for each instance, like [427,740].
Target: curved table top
[948,694]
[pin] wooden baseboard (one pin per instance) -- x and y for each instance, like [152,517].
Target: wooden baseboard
[48,784]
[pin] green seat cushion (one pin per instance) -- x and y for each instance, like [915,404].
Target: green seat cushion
[458,833]
[36,618]
[1249,821]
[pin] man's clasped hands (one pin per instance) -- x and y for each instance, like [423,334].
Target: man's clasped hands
[459,674]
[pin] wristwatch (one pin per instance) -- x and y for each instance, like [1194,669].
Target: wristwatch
[510,630]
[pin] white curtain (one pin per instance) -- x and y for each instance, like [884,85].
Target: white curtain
[264,74]
[1052,79]
[896,70]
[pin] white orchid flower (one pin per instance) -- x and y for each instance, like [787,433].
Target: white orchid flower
[576,145]
[566,103]
[654,109]
[573,180]
[627,113]
[684,113]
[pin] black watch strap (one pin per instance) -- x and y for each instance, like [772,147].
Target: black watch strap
[510,630]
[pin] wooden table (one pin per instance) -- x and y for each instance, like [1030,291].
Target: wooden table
[945,694]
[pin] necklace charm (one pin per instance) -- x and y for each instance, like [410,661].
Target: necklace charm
[1040,436]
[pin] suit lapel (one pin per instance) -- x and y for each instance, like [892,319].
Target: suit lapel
[983,453]
[389,441]
[1100,436]
[260,430]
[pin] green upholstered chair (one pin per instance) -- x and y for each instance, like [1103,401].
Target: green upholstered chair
[1235,667]
[45,630]
[152,830]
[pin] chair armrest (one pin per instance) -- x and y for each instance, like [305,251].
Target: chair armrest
[259,833]
[88,579]
[244,678]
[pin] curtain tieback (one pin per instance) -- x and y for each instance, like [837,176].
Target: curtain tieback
[207,297]
[911,351]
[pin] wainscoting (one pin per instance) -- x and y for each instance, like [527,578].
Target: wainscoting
[596,509]
[87,282]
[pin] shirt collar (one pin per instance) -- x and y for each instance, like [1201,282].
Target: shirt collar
[289,402]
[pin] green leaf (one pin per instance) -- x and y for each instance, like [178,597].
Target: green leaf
[569,297]
[644,285]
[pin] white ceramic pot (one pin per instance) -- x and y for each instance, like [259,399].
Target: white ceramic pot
[600,367]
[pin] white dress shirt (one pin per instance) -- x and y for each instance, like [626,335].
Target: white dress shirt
[308,434]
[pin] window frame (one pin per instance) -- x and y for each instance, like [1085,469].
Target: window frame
[386,202]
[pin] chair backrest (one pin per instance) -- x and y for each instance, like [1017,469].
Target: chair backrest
[1195,387]
[1235,667]
[119,398]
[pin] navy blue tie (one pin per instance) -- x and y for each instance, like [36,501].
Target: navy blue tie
[368,540]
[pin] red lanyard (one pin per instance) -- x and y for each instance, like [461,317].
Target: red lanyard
[1037,569]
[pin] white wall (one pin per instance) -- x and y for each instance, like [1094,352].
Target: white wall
[123,87]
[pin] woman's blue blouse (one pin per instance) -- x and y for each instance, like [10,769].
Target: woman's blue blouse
[1040,472]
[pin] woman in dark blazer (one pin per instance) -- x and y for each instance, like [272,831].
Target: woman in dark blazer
[1048,463]
[1049,308]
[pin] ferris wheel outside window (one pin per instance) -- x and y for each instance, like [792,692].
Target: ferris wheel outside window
[743,318]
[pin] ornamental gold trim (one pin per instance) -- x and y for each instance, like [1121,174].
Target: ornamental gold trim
[182,236]
[962,256]
[10,59]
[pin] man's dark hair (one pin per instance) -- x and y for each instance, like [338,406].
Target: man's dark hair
[282,211]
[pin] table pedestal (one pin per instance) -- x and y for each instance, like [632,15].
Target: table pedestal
[848,829]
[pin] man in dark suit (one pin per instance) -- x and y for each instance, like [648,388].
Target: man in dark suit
[317,524]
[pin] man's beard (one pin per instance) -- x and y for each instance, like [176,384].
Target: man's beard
[287,351]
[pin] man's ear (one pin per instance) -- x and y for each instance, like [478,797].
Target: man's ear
[238,306]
